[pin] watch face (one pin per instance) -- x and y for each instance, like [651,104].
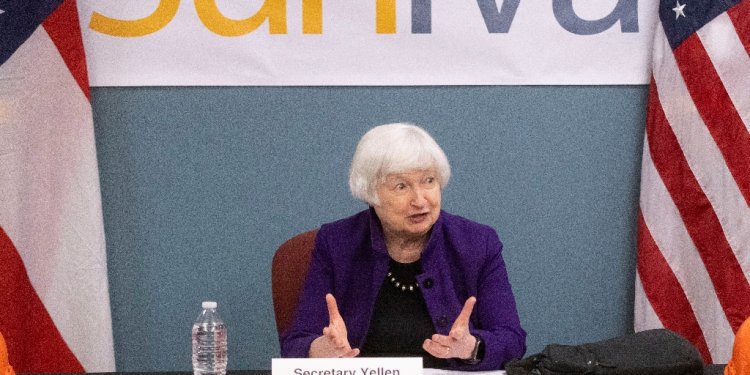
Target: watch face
[475,353]
[476,347]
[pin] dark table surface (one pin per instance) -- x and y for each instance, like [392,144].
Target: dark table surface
[709,370]
[230,372]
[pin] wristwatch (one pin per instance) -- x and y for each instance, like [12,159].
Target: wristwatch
[477,353]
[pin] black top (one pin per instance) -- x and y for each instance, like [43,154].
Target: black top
[400,322]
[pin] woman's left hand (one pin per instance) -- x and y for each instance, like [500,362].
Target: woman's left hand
[459,343]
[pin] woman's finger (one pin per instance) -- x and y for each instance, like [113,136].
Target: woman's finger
[436,350]
[442,340]
[463,318]
[333,309]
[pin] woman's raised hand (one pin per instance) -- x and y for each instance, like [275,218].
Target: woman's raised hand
[334,342]
[459,343]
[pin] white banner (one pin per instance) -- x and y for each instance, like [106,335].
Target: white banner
[367,42]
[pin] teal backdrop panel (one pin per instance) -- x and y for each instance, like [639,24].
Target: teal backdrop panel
[200,185]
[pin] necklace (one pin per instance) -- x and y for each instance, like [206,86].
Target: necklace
[404,287]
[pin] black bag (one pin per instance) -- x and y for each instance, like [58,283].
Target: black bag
[653,352]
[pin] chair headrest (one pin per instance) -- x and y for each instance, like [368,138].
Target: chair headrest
[740,362]
[5,367]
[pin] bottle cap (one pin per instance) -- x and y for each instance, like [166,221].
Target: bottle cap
[209,305]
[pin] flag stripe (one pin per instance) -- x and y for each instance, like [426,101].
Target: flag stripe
[731,61]
[694,222]
[703,156]
[35,347]
[738,15]
[50,201]
[670,235]
[668,300]
[700,220]
[69,41]
[645,317]
[716,109]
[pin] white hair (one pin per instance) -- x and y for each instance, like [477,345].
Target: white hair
[393,148]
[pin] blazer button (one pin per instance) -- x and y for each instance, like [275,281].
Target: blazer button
[442,321]
[428,283]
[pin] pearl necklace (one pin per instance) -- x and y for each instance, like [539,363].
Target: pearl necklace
[404,287]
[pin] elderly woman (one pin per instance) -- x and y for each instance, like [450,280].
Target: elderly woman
[404,278]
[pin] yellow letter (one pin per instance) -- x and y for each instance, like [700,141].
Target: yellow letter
[312,16]
[140,27]
[385,16]
[273,10]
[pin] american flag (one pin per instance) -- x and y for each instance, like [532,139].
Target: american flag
[54,300]
[694,219]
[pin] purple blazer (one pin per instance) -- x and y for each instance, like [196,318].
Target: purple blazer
[461,259]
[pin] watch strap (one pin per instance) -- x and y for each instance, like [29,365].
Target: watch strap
[475,354]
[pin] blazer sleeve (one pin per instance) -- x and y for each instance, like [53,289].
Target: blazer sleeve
[495,318]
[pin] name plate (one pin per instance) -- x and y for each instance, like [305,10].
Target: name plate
[346,366]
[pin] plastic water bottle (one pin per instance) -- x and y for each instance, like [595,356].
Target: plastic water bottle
[209,342]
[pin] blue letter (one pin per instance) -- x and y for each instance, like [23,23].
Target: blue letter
[626,12]
[421,16]
[498,22]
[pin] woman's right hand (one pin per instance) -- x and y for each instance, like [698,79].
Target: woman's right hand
[334,342]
